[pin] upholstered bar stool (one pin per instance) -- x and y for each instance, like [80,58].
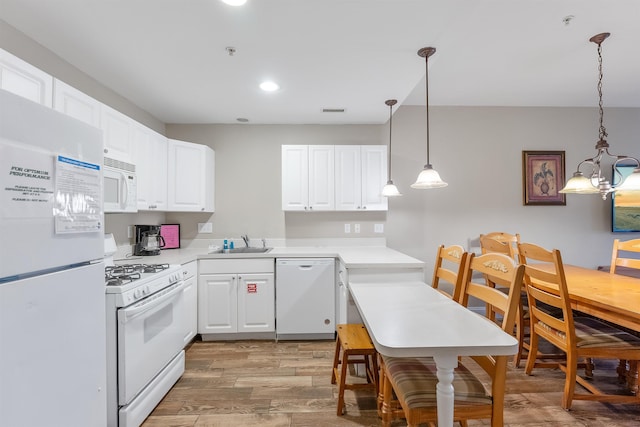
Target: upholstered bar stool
[353,345]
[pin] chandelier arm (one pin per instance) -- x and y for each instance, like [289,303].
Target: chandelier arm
[617,172]
[583,162]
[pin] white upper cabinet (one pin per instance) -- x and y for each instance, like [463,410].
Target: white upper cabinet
[118,134]
[295,177]
[348,178]
[190,177]
[150,157]
[76,104]
[374,177]
[23,79]
[321,177]
[361,172]
[308,177]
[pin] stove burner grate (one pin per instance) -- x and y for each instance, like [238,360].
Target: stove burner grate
[117,275]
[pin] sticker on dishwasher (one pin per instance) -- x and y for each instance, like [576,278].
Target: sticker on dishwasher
[252,288]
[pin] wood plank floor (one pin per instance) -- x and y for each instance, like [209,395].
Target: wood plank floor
[286,384]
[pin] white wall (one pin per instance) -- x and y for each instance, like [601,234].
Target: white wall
[248,183]
[477,150]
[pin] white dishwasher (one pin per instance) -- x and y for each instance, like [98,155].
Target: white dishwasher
[305,298]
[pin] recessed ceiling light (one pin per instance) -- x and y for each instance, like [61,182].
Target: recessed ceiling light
[269,86]
[235,2]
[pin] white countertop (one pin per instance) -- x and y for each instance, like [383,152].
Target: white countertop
[351,256]
[396,315]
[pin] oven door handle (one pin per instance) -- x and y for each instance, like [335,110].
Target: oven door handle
[151,303]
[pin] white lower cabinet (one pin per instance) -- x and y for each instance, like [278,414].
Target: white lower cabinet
[190,292]
[236,296]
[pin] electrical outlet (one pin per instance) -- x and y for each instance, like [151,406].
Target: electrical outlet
[378,228]
[356,228]
[130,231]
[347,228]
[205,227]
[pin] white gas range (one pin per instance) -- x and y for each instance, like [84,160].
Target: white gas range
[145,356]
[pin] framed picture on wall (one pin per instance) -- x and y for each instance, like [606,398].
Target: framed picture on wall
[543,178]
[625,205]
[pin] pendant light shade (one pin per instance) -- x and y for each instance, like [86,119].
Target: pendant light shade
[579,184]
[390,190]
[597,183]
[632,182]
[428,177]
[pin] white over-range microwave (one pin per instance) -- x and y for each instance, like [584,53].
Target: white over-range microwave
[120,186]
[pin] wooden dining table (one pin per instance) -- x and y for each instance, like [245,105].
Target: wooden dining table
[411,319]
[611,297]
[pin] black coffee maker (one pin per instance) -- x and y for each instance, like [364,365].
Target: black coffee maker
[148,240]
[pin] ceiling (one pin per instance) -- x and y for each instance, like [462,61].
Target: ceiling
[169,57]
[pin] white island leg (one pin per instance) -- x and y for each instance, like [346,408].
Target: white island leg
[444,390]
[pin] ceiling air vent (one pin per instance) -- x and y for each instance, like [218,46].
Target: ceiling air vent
[333,110]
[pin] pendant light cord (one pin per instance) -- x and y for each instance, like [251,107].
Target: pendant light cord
[389,155]
[426,79]
[390,103]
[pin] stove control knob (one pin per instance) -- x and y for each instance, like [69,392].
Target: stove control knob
[136,293]
[147,291]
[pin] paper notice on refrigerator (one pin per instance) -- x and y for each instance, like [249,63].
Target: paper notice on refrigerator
[26,181]
[78,196]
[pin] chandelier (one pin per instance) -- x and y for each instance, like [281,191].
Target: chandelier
[597,182]
[390,190]
[428,177]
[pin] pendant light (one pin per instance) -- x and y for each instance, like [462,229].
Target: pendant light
[390,190]
[597,182]
[428,177]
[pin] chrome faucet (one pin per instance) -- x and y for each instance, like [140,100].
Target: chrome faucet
[246,239]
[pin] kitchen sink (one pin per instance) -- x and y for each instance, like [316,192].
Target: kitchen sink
[244,251]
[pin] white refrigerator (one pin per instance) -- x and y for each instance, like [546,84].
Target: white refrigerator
[52,293]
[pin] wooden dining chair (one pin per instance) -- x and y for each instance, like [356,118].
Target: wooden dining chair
[505,245]
[511,240]
[621,257]
[413,380]
[627,247]
[451,262]
[450,267]
[577,337]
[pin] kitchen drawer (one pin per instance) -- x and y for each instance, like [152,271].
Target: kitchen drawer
[241,265]
[189,269]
